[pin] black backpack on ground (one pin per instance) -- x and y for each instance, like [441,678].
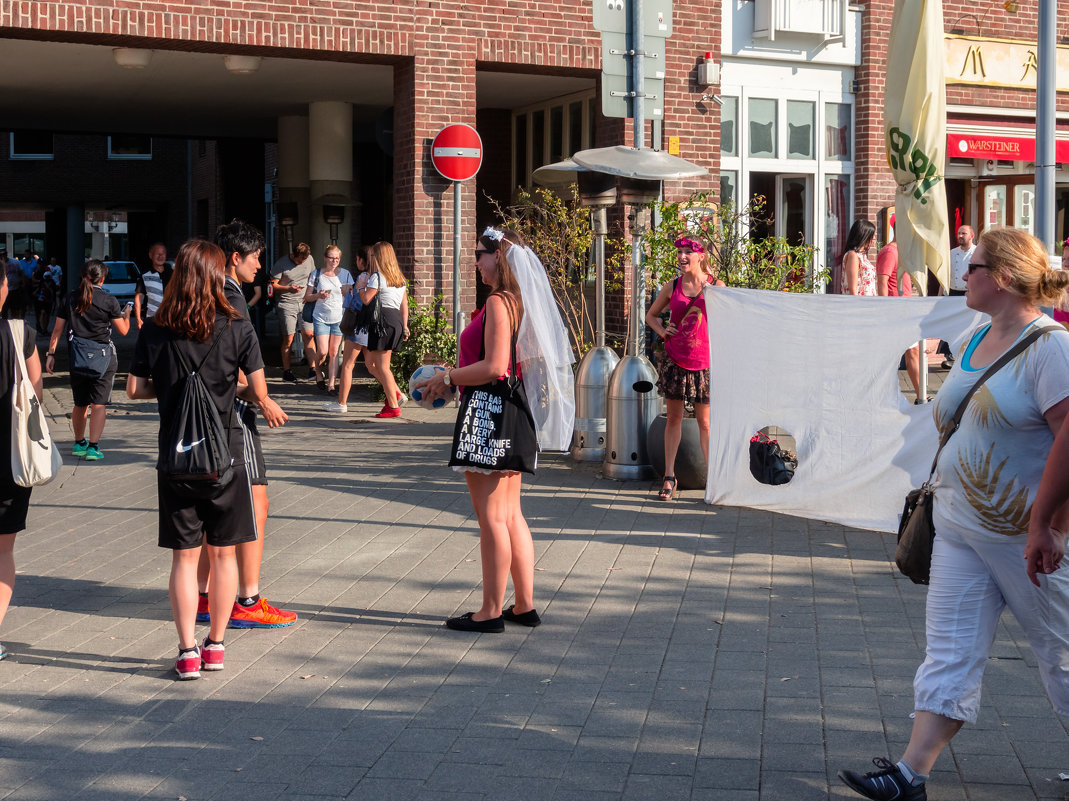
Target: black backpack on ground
[196,461]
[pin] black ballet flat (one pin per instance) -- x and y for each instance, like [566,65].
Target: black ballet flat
[494,625]
[529,619]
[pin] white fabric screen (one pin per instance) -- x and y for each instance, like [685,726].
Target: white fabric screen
[825,368]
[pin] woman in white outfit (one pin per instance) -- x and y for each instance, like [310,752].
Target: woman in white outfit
[387,286]
[985,482]
[326,287]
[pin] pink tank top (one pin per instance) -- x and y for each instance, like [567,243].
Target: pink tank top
[471,340]
[689,347]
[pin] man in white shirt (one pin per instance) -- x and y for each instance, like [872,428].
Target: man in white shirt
[959,265]
[959,259]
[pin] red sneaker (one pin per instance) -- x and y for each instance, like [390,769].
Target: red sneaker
[388,412]
[212,655]
[261,615]
[188,665]
[203,615]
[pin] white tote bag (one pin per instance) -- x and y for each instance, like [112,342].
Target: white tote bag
[35,459]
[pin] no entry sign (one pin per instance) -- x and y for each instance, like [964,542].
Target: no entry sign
[457,152]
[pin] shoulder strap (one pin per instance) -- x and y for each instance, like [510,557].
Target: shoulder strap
[512,348]
[1002,361]
[182,359]
[17,334]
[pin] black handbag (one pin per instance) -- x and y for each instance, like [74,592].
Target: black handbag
[916,532]
[495,429]
[309,306]
[89,358]
[769,463]
[368,316]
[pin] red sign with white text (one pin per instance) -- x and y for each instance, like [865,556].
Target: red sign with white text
[1004,148]
[457,152]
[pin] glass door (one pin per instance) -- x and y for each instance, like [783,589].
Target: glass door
[794,208]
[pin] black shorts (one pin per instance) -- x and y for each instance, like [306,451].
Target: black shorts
[14,504]
[94,391]
[389,335]
[223,521]
[251,451]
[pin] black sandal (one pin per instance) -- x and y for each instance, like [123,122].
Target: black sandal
[668,492]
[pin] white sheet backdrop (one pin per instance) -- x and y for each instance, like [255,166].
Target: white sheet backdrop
[825,368]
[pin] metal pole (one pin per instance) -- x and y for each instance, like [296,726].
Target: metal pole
[922,370]
[601,228]
[638,109]
[457,316]
[1045,122]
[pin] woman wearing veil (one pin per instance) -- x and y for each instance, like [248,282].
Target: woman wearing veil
[517,332]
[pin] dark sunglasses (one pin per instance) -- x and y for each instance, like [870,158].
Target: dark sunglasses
[973,266]
[480,253]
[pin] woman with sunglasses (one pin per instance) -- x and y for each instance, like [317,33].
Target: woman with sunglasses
[683,374]
[986,479]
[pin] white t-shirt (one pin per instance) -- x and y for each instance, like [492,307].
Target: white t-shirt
[329,310]
[959,265]
[390,297]
[989,471]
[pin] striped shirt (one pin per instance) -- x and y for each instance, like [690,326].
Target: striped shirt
[152,282]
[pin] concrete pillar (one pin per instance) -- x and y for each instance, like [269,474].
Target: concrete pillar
[330,171]
[293,174]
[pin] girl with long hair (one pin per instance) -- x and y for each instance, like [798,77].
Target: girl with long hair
[388,288]
[196,325]
[683,373]
[519,323]
[90,313]
[858,273]
[14,500]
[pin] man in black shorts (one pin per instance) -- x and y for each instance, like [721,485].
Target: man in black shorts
[242,245]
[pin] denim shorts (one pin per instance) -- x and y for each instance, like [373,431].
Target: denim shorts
[322,329]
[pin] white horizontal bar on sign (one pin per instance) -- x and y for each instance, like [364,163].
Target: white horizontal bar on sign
[457,152]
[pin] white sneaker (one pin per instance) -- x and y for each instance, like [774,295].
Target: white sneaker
[334,406]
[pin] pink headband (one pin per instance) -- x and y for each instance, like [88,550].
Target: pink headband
[687,242]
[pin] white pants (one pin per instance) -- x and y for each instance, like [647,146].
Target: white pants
[973,579]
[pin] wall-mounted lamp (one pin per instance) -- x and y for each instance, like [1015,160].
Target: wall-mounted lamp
[131,58]
[287,219]
[242,65]
[334,216]
[708,71]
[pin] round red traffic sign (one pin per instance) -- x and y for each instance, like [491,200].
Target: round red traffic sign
[457,152]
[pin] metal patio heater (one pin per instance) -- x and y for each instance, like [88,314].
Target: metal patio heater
[597,191]
[633,402]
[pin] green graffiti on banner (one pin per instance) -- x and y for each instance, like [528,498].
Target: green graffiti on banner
[903,156]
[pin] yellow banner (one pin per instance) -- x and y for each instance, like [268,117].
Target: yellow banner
[915,136]
[998,62]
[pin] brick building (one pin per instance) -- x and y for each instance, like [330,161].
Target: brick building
[336,104]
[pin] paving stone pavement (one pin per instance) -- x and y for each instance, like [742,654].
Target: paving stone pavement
[688,651]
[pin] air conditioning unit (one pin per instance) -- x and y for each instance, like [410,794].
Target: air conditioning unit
[824,18]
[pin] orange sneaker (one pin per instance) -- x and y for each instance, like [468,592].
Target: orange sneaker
[203,615]
[261,615]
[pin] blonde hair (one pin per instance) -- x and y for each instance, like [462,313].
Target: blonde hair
[1020,262]
[332,249]
[382,259]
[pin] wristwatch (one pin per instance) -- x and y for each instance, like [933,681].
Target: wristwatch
[445,379]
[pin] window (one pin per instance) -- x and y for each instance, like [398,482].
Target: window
[550,132]
[729,122]
[129,146]
[32,145]
[728,187]
[762,128]
[837,136]
[801,120]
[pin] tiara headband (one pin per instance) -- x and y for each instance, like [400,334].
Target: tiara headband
[687,242]
[493,233]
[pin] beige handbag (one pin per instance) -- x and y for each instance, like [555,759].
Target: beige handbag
[35,459]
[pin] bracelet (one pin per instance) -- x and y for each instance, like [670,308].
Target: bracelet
[51,353]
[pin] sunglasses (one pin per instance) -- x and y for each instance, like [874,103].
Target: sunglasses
[481,253]
[973,267]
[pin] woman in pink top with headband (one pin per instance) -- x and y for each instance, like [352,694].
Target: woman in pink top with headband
[683,375]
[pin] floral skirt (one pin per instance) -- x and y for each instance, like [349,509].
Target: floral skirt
[675,383]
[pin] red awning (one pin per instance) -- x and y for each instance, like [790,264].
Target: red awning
[1006,148]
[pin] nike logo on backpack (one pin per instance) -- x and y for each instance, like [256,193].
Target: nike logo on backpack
[180,448]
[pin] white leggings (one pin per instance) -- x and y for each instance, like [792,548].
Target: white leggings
[974,577]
